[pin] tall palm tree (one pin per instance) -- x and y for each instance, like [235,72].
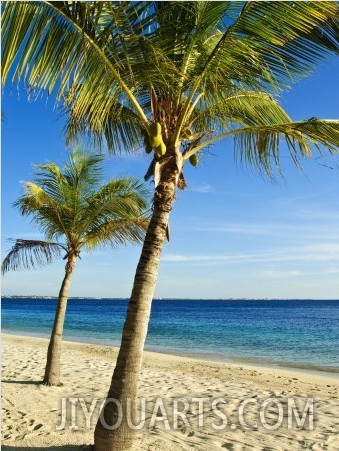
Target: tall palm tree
[177,77]
[72,204]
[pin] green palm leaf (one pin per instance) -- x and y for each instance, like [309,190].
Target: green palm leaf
[123,231]
[212,65]
[69,202]
[260,144]
[103,57]
[91,65]
[119,200]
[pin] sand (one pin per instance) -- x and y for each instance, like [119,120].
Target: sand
[187,402]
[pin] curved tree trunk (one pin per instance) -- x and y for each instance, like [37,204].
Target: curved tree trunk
[114,430]
[52,370]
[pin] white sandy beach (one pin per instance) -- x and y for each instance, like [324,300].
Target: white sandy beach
[253,396]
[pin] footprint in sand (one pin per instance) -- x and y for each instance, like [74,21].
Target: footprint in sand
[20,437]
[228,446]
[34,426]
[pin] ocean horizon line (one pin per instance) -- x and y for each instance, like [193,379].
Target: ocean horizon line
[93,298]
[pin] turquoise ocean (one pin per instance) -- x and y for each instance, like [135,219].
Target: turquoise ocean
[290,333]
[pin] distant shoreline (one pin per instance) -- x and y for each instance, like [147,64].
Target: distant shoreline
[85,298]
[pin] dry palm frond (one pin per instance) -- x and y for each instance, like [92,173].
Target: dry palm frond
[28,254]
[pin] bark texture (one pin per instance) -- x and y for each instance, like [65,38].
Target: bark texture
[52,370]
[114,431]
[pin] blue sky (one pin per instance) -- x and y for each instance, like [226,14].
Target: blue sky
[234,234]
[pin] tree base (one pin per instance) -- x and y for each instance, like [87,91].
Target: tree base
[51,384]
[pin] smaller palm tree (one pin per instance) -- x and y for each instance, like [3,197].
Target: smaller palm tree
[70,203]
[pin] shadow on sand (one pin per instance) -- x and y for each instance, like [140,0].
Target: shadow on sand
[22,382]
[50,448]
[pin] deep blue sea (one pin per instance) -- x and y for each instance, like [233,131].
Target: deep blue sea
[292,333]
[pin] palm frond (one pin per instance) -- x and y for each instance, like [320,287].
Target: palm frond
[82,55]
[49,182]
[120,199]
[46,208]
[116,232]
[83,173]
[104,59]
[28,254]
[259,124]
[120,126]
[254,45]
[71,202]
[290,37]
[271,44]
[242,108]
[35,197]
[261,145]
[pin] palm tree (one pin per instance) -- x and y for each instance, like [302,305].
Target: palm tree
[177,77]
[70,203]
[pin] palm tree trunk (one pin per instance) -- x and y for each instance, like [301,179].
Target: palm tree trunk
[113,430]
[52,370]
